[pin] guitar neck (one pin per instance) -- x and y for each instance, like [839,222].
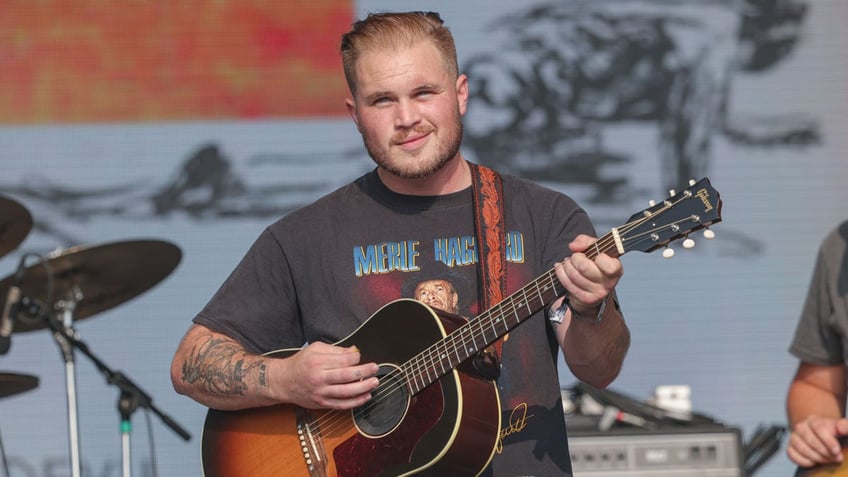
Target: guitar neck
[489,326]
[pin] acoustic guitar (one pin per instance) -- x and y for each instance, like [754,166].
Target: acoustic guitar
[432,413]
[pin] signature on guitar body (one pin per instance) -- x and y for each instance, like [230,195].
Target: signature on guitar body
[432,413]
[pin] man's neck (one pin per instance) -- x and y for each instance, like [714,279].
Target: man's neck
[454,176]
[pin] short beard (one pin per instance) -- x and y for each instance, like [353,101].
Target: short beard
[446,151]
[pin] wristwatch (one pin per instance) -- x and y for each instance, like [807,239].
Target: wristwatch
[556,316]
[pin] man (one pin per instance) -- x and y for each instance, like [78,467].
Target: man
[816,400]
[438,293]
[313,277]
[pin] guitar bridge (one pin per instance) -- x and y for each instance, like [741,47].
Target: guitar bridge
[311,444]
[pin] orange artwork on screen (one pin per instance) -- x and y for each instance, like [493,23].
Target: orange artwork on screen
[103,61]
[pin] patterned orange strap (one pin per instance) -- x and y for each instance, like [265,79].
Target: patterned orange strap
[489,229]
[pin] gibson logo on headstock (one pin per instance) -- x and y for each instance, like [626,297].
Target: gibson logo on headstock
[705,198]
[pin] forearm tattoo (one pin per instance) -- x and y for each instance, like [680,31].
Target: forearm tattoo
[219,366]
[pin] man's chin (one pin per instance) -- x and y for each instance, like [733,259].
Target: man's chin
[413,173]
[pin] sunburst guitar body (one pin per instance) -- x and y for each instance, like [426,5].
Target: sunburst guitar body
[449,427]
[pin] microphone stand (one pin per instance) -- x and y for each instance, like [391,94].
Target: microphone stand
[131,398]
[63,333]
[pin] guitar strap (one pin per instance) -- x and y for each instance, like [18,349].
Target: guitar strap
[490,235]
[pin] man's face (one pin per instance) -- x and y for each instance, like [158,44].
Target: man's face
[408,108]
[438,294]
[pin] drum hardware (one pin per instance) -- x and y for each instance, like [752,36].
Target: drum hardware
[12,384]
[15,224]
[77,283]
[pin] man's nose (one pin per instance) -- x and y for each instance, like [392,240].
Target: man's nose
[407,114]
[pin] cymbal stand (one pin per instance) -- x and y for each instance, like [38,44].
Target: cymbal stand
[131,398]
[127,404]
[64,333]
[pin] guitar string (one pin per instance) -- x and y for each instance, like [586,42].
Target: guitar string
[481,322]
[332,419]
[484,322]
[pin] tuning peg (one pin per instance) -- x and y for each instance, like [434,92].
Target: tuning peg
[652,203]
[692,182]
[709,234]
[668,252]
[672,193]
[688,243]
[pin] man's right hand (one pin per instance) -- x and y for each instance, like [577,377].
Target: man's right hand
[324,376]
[816,440]
[216,371]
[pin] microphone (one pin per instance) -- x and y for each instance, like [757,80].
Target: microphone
[13,302]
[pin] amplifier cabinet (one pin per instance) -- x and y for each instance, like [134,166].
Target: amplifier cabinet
[685,452]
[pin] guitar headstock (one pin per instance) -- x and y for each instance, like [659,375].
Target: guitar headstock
[694,208]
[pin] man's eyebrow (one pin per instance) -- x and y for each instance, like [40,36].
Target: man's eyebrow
[428,86]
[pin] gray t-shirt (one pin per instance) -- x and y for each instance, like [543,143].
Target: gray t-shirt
[320,272]
[822,334]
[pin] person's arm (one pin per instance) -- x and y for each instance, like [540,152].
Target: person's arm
[815,406]
[216,371]
[594,350]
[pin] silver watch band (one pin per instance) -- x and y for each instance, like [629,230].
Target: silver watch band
[556,316]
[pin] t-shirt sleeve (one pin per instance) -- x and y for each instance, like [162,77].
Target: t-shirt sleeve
[815,340]
[570,222]
[564,221]
[256,305]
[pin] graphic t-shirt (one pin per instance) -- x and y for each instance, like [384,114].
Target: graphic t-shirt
[320,272]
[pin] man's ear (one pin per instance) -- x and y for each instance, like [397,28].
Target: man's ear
[462,92]
[351,110]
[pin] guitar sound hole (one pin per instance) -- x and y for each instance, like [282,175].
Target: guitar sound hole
[388,404]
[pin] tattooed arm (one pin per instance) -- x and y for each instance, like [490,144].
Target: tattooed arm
[216,371]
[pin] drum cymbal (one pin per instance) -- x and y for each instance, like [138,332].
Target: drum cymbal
[15,224]
[11,384]
[96,277]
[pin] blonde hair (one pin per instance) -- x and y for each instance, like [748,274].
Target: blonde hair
[396,30]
